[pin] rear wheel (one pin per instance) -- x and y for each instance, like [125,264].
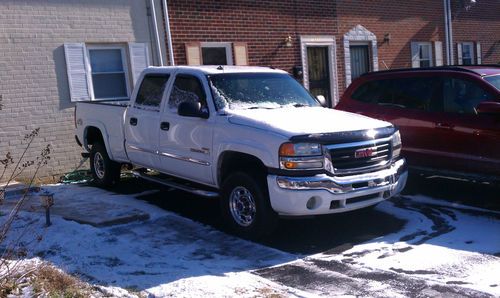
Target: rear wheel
[105,172]
[245,206]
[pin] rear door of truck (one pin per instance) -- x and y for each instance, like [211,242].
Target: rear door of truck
[142,119]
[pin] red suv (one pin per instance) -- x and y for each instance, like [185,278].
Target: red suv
[449,117]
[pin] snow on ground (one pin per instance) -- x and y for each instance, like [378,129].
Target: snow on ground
[438,243]
[162,255]
[168,255]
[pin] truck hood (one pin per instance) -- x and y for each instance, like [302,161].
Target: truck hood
[291,121]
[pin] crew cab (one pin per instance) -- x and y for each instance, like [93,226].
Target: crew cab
[252,136]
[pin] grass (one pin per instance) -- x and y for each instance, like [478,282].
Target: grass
[45,281]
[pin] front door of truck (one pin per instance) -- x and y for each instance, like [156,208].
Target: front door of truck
[185,143]
[142,118]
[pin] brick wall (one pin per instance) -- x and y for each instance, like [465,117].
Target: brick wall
[263,25]
[33,81]
[405,21]
[480,22]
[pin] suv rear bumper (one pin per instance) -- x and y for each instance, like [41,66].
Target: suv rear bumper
[322,194]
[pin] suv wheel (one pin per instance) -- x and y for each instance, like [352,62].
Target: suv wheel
[245,206]
[105,172]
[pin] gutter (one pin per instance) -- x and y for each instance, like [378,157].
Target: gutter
[448,32]
[157,36]
[168,32]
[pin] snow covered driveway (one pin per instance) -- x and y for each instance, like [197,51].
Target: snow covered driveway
[424,247]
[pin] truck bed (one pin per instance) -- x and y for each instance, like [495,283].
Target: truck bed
[108,118]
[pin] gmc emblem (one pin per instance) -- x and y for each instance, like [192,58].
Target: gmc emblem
[365,152]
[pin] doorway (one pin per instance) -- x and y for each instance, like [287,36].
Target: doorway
[360,60]
[319,71]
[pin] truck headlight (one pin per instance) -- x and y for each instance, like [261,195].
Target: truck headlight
[396,144]
[301,156]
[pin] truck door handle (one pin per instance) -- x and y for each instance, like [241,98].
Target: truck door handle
[164,126]
[133,121]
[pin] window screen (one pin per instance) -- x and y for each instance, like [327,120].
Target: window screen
[151,90]
[108,74]
[186,88]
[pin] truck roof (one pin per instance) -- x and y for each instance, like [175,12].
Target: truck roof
[217,69]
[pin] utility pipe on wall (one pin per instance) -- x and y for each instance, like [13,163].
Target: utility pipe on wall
[169,34]
[448,32]
[157,36]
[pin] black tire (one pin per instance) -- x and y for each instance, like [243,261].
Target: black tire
[105,172]
[238,191]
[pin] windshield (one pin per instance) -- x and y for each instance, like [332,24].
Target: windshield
[258,90]
[494,80]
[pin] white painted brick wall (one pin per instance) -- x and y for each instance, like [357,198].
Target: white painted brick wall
[33,80]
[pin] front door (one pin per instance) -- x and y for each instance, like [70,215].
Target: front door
[319,71]
[360,60]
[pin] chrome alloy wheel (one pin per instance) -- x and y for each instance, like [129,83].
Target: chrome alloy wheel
[99,165]
[242,206]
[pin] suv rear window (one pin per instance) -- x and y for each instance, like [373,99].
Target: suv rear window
[410,93]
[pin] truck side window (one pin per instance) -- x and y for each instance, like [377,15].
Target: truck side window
[187,88]
[463,96]
[151,90]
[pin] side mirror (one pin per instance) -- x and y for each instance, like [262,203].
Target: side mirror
[489,107]
[322,100]
[191,109]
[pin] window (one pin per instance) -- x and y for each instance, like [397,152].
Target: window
[462,96]
[421,53]
[467,53]
[216,53]
[151,90]
[108,73]
[409,93]
[98,72]
[494,80]
[187,88]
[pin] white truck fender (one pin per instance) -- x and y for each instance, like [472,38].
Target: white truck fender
[99,125]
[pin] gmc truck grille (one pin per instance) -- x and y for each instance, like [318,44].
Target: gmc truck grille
[360,158]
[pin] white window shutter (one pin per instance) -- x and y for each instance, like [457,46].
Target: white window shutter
[459,54]
[478,53]
[193,54]
[415,55]
[78,71]
[139,59]
[438,50]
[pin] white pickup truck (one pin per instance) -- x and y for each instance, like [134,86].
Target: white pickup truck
[252,136]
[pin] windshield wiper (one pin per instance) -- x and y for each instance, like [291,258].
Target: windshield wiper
[300,105]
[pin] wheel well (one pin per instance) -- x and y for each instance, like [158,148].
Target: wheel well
[93,135]
[231,161]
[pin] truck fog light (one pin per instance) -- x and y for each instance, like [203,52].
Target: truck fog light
[313,203]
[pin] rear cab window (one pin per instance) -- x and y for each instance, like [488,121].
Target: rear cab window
[151,90]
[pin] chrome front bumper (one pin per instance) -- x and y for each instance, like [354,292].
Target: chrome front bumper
[293,195]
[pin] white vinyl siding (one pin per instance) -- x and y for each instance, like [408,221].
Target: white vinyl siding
[97,72]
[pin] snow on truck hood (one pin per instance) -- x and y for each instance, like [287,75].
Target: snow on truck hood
[291,121]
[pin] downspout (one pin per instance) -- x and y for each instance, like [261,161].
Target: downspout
[169,34]
[448,32]
[157,36]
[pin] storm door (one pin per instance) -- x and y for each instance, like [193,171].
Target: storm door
[319,71]
[360,60]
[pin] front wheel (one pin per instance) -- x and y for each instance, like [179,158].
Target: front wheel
[105,172]
[245,206]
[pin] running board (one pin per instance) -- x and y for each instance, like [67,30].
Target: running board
[176,184]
